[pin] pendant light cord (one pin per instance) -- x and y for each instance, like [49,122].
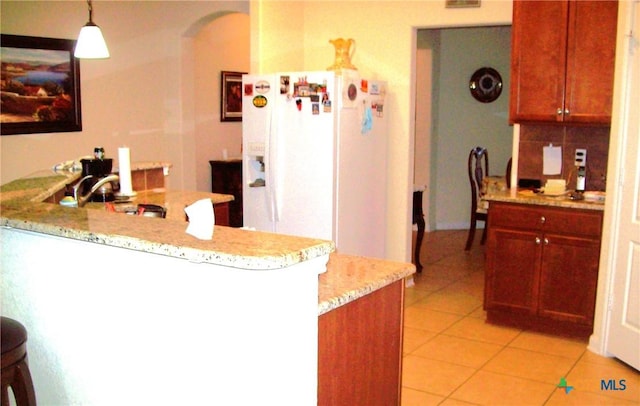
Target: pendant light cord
[90,11]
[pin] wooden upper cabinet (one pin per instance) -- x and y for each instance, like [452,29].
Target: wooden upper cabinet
[538,52]
[591,52]
[562,61]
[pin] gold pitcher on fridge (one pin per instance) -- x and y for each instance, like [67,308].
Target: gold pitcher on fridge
[345,48]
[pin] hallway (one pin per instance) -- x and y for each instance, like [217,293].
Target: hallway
[452,357]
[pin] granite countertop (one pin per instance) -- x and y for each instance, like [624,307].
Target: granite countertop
[347,277]
[22,207]
[142,166]
[351,277]
[529,197]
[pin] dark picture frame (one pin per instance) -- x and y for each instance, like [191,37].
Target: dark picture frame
[231,96]
[40,85]
[462,3]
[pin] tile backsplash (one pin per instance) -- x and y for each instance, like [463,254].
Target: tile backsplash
[594,139]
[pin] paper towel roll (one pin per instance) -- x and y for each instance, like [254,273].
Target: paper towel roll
[124,162]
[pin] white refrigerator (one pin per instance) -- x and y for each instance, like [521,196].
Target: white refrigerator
[315,157]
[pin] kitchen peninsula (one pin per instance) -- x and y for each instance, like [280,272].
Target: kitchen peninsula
[132,310]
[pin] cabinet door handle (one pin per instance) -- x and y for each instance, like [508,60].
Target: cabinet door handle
[546,241]
[559,111]
[543,219]
[566,112]
[537,240]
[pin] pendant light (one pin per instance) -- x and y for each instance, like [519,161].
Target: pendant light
[90,44]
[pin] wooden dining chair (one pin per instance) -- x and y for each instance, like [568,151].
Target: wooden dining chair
[478,167]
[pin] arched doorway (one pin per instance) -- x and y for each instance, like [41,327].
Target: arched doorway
[215,43]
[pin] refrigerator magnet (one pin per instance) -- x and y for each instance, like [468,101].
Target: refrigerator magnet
[375,89]
[364,85]
[299,104]
[350,85]
[315,108]
[326,103]
[248,89]
[378,107]
[263,87]
[326,106]
[284,84]
[352,92]
[259,101]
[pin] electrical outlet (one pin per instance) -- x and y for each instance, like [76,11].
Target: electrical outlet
[581,157]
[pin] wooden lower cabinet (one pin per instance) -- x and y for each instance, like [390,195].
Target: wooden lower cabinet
[568,279]
[360,350]
[513,259]
[542,267]
[226,178]
[221,214]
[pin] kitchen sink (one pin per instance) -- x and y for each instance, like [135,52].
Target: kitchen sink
[145,210]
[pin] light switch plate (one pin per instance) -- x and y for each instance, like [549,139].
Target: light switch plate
[581,157]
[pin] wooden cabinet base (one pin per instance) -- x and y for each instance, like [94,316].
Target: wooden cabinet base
[540,324]
[360,350]
[226,178]
[541,268]
[221,213]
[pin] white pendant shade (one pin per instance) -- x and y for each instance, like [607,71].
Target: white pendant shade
[91,43]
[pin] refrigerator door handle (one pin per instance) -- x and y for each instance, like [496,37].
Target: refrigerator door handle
[274,167]
[267,175]
[276,164]
[271,171]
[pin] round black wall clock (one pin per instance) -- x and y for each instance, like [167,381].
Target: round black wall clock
[485,85]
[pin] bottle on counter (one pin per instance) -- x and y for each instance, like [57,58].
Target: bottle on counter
[98,153]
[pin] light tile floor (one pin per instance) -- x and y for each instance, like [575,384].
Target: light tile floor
[452,357]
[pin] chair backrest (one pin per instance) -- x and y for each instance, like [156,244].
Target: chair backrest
[478,170]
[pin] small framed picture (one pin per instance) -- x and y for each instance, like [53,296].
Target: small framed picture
[462,3]
[231,96]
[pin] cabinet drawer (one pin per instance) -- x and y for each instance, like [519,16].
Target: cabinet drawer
[584,223]
[515,216]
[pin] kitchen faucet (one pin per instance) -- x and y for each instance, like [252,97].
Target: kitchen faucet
[82,200]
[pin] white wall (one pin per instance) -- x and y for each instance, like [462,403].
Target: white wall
[114,326]
[141,96]
[462,123]
[424,118]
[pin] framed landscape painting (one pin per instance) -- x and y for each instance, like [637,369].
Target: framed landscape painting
[40,85]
